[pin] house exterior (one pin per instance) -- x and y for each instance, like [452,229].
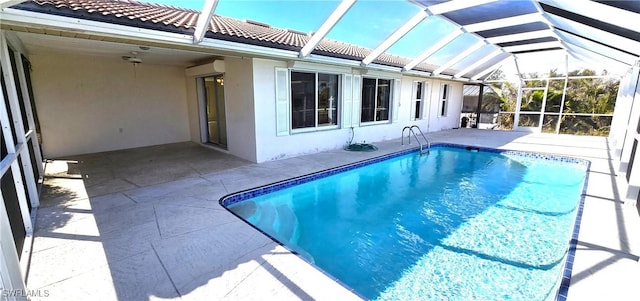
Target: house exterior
[87,76]
[84,108]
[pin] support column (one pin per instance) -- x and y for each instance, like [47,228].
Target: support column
[630,157]
[622,112]
[632,125]
[10,273]
[479,108]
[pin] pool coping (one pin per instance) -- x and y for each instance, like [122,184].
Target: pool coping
[563,288]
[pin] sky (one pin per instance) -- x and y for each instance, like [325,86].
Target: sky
[374,20]
[368,23]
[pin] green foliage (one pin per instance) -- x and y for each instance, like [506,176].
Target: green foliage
[591,95]
[585,125]
[532,100]
[505,121]
[583,96]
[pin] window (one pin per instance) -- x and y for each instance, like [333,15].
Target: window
[376,99]
[417,99]
[314,100]
[444,99]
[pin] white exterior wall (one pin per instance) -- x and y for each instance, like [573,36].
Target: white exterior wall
[193,107]
[272,147]
[452,120]
[239,108]
[92,104]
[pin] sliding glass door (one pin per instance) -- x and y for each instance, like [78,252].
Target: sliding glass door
[215,110]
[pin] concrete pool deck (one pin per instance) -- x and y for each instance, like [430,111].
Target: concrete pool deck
[145,224]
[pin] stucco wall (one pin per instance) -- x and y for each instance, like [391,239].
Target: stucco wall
[91,104]
[452,120]
[193,108]
[240,109]
[272,147]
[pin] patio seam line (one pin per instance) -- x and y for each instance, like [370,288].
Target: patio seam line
[46,228]
[130,182]
[224,186]
[244,278]
[62,280]
[94,268]
[203,176]
[107,265]
[127,196]
[155,215]
[166,271]
[163,237]
[255,269]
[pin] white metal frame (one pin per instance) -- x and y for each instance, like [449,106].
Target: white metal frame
[324,29]
[204,19]
[479,63]
[6,3]
[631,130]
[16,151]
[11,277]
[520,36]
[492,68]
[433,49]
[453,5]
[395,36]
[534,46]
[619,55]
[38,20]
[504,22]
[436,9]
[598,11]
[580,52]
[459,57]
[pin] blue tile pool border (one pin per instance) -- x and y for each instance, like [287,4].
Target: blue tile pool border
[563,290]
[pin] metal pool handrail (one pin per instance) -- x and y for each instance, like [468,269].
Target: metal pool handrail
[411,131]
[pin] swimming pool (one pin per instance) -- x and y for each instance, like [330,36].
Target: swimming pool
[457,224]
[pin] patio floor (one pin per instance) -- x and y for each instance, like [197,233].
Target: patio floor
[145,224]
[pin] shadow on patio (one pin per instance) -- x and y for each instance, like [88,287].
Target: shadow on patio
[145,224]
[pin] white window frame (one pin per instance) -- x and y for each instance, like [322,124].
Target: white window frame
[424,90]
[443,101]
[316,128]
[392,92]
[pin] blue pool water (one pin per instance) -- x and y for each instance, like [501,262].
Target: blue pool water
[452,225]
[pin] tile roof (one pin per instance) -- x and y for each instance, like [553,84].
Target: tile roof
[182,20]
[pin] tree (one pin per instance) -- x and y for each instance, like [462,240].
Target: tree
[583,96]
